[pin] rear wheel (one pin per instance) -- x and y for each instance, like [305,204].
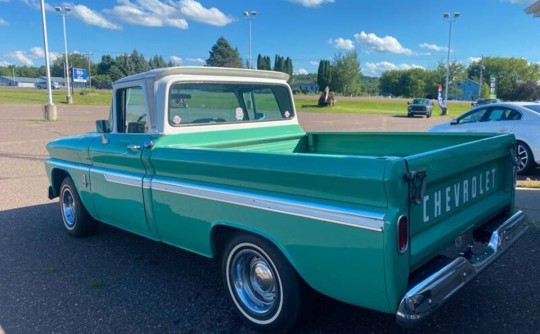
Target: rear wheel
[264,287]
[525,158]
[77,221]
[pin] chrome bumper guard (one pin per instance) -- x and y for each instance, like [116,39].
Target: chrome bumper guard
[425,297]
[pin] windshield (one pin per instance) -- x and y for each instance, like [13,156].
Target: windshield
[203,103]
[533,107]
[420,101]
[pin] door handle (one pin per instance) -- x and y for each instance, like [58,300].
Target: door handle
[134,147]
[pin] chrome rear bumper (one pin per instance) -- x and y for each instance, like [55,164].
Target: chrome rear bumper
[425,297]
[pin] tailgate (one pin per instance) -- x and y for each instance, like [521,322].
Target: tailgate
[464,185]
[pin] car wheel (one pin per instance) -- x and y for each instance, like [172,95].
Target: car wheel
[409,115]
[77,221]
[428,114]
[264,287]
[525,159]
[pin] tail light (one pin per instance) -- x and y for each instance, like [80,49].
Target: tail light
[403,234]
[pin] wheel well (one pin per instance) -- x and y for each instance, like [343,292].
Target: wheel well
[57,176]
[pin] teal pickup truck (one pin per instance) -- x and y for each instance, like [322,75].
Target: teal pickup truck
[213,161]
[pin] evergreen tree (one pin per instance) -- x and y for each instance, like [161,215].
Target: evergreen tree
[138,61]
[223,55]
[324,74]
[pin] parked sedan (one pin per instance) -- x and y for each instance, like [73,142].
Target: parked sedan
[520,118]
[43,85]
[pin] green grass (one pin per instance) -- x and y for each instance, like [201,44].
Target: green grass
[372,106]
[303,103]
[39,96]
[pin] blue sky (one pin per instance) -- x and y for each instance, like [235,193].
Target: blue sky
[387,34]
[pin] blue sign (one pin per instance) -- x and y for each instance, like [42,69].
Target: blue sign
[79,75]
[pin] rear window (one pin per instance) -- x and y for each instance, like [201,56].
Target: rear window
[204,103]
[533,107]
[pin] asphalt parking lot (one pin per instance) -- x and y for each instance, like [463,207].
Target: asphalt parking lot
[116,282]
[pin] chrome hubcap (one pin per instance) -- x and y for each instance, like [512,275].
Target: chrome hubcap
[68,208]
[254,281]
[522,157]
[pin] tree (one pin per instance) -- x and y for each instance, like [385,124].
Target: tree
[524,91]
[346,74]
[76,60]
[279,63]
[324,74]
[104,65]
[138,61]
[390,82]
[507,72]
[157,62]
[223,55]
[263,63]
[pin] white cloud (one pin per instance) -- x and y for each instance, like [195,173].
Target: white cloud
[4,63]
[36,4]
[159,13]
[212,16]
[22,57]
[90,17]
[37,52]
[314,63]
[471,60]
[151,13]
[196,60]
[343,44]
[311,3]
[302,71]
[376,69]
[175,60]
[433,47]
[386,44]
[28,57]
[3,22]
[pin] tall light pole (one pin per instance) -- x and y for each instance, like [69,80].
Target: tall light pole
[64,10]
[50,108]
[250,16]
[450,21]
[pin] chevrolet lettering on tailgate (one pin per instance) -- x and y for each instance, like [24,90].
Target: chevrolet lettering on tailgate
[451,197]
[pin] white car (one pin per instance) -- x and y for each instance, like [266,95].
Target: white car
[520,118]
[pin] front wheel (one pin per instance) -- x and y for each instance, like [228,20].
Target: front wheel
[263,285]
[77,221]
[524,157]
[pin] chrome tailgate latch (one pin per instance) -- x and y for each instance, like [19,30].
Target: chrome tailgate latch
[417,185]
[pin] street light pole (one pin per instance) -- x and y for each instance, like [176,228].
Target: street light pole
[450,21]
[250,16]
[64,10]
[50,108]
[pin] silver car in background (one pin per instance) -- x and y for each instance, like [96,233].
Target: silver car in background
[520,118]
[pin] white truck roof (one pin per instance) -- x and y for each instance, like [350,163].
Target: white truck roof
[159,73]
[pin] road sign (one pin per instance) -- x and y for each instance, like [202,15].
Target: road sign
[79,75]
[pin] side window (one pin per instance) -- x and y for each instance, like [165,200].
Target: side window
[496,114]
[131,110]
[473,116]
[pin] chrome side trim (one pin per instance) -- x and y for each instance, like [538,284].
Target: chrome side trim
[333,214]
[123,179]
[425,297]
[67,165]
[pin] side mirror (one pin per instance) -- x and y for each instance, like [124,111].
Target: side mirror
[454,121]
[103,126]
[408,102]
